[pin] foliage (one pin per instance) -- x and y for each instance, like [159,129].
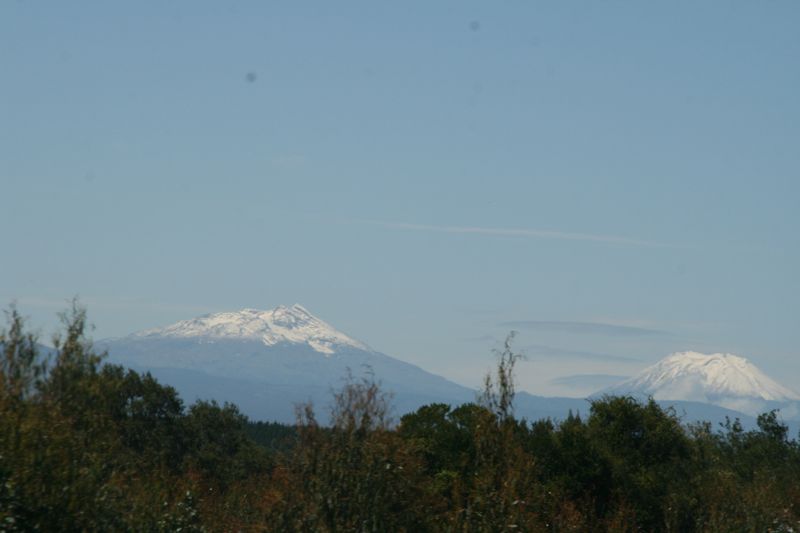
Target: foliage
[273,436]
[356,475]
[90,446]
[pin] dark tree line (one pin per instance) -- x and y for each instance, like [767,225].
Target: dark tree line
[88,446]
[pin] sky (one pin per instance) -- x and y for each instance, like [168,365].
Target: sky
[615,181]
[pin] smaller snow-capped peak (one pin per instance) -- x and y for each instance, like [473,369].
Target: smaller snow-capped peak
[715,378]
[293,325]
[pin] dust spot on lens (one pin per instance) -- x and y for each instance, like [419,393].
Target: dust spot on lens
[475,25]
[251,77]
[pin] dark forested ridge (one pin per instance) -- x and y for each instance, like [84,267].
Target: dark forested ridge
[87,446]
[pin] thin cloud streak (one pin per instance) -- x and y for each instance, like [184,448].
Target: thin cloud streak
[521,232]
[588,380]
[583,328]
[541,351]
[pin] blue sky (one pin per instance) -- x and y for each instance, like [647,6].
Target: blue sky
[615,180]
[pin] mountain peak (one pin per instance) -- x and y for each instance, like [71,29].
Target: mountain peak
[294,325]
[720,378]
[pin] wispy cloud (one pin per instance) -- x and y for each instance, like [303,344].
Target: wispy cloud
[583,328]
[581,381]
[523,232]
[541,351]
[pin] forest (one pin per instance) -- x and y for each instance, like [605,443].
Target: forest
[89,446]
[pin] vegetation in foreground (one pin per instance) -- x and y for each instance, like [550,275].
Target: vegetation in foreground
[88,446]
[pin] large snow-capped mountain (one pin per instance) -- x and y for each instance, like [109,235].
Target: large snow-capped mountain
[268,361]
[720,379]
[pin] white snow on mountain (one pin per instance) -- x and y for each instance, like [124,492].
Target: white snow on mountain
[294,325]
[722,379]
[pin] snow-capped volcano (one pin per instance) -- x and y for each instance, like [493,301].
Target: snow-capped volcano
[266,362]
[721,379]
[294,325]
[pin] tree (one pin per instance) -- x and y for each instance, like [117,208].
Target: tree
[648,452]
[498,392]
[357,475]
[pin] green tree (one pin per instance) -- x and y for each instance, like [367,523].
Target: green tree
[649,455]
